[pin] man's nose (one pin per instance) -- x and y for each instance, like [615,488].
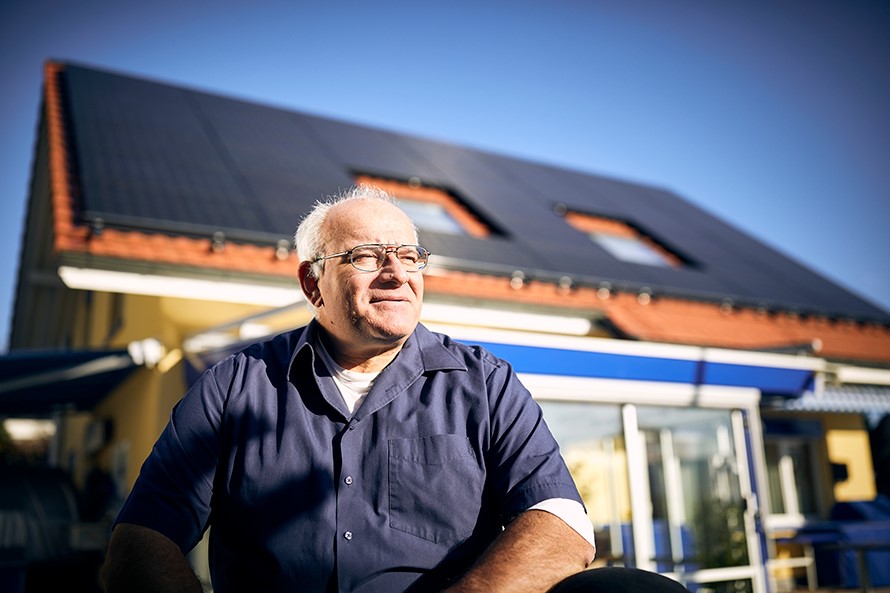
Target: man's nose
[393,266]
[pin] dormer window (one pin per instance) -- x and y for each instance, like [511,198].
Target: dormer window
[623,240]
[431,208]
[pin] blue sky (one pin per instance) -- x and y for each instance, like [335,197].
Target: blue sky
[770,115]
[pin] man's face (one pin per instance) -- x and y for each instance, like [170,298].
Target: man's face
[368,310]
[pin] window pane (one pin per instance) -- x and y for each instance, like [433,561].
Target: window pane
[801,454]
[630,249]
[694,482]
[430,217]
[801,486]
[590,439]
[776,500]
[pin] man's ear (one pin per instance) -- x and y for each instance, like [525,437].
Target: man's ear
[309,284]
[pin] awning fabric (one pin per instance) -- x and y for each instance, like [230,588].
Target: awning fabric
[871,401]
[771,381]
[38,382]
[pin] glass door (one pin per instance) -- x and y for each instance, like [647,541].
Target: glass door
[667,489]
[696,465]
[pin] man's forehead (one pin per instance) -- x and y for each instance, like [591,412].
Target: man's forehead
[364,206]
[372,221]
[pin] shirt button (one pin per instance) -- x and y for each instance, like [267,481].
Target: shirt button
[348,480]
[347,535]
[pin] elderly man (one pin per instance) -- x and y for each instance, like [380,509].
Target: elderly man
[359,453]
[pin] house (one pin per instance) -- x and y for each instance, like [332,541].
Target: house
[712,396]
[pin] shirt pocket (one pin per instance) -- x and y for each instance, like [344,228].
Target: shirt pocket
[435,487]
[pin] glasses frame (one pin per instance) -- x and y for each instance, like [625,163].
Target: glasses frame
[387,249]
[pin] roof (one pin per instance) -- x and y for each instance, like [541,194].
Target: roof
[145,171]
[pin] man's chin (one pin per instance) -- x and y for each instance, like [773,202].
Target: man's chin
[393,333]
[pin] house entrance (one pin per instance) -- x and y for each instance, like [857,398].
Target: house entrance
[668,489]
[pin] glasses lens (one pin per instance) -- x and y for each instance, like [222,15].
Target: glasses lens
[370,258]
[412,257]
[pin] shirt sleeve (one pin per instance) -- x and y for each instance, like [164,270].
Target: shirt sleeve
[571,512]
[173,491]
[524,463]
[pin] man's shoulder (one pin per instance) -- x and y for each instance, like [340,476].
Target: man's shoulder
[272,352]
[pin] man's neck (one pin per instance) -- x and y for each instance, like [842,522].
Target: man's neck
[367,360]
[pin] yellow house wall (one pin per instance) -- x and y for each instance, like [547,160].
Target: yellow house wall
[141,405]
[134,411]
[72,442]
[132,405]
[847,442]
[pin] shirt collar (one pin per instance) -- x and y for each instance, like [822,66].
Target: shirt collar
[433,353]
[422,352]
[424,349]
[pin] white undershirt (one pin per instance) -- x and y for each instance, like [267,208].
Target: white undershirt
[354,386]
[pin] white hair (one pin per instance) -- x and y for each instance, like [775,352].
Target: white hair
[310,239]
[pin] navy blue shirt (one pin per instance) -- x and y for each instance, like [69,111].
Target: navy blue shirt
[446,448]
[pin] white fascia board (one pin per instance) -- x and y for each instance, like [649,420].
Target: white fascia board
[862,375]
[584,344]
[502,319]
[171,286]
[618,391]
[763,359]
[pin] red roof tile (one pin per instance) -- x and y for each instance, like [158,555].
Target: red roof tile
[681,321]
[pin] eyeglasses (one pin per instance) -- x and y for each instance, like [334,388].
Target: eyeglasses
[371,257]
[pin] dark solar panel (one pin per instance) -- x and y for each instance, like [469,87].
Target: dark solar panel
[170,159]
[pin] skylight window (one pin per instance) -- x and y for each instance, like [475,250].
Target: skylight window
[630,249]
[624,241]
[430,217]
[431,208]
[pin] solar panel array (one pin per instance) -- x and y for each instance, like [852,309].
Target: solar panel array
[170,159]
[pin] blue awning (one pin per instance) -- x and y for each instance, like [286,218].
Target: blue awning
[38,382]
[771,381]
